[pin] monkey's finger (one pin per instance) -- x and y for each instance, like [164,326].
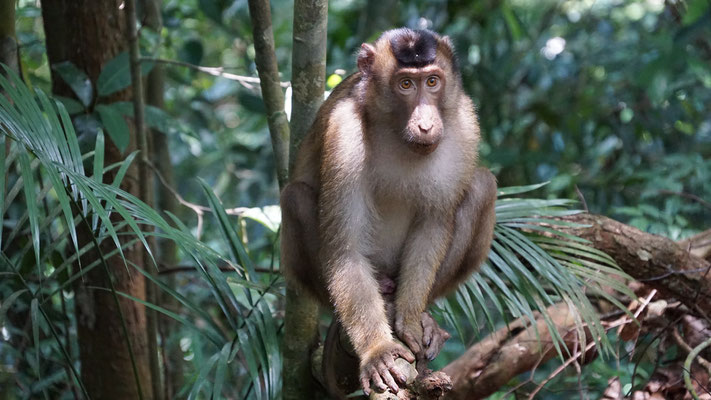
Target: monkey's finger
[390,365]
[389,380]
[402,352]
[412,343]
[437,343]
[378,381]
[426,334]
[365,384]
[399,376]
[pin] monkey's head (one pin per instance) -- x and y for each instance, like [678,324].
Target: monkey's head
[411,82]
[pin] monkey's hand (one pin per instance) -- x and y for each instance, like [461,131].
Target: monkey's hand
[410,330]
[378,367]
[433,337]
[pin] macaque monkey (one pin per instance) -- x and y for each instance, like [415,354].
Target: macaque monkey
[386,209]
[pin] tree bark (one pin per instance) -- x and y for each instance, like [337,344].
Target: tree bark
[308,67]
[89,33]
[656,261]
[145,188]
[508,352]
[166,202]
[273,97]
[308,81]
[676,270]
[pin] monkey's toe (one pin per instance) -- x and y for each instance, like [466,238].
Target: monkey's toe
[433,337]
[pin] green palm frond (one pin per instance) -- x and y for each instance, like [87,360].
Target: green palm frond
[58,195]
[532,265]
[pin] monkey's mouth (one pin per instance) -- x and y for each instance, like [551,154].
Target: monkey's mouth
[423,148]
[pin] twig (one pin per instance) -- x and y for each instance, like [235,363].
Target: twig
[246,81]
[680,341]
[198,209]
[582,198]
[688,196]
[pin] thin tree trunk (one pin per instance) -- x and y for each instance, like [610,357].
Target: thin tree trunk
[273,97]
[8,44]
[145,190]
[167,250]
[308,79]
[308,67]
[308,82]
[89,33]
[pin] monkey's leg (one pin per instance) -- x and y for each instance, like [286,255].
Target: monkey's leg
[300,240]
[473,232]
[426,247]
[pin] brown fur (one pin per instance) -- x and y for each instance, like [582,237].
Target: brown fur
[386,187]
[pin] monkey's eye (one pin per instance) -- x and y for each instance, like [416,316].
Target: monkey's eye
[432,81]
[406,84]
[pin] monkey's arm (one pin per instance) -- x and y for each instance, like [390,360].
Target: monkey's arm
[423,254]
[345,217]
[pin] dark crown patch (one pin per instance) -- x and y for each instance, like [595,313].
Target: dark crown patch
[413,48]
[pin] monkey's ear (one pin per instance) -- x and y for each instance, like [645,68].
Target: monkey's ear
[366,57]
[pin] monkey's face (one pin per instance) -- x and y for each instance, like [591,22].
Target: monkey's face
[420,92]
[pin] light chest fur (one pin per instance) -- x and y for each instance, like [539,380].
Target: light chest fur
[407,187]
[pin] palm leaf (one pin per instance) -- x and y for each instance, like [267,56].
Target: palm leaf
[533,264]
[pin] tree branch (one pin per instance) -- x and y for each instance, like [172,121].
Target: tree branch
[658,262]
[670,267]
[265,58]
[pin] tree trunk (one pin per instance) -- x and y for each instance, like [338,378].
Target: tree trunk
[89,33]
[308,79]
[167,250]
[8,44]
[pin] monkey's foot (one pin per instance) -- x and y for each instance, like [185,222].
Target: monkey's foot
[410,331]
[379,370]
[433,337]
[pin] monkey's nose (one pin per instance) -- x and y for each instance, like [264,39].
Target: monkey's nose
[424,128]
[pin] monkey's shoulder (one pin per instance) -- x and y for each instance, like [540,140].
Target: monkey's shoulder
[339,113]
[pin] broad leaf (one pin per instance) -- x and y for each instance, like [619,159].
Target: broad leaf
[77,80]
[115,125]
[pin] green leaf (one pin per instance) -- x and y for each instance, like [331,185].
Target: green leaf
[156,118]
[72,106]
[77,80]
[268,216]
[202,376]
[512,21]
[31,203]
[98,170]
[694,10]
[220,371]
[507,191]
[231,235]
[115,124]
[116,74]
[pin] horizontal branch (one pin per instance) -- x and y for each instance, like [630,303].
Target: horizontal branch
[512,350]
[678,270]
[656,261]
